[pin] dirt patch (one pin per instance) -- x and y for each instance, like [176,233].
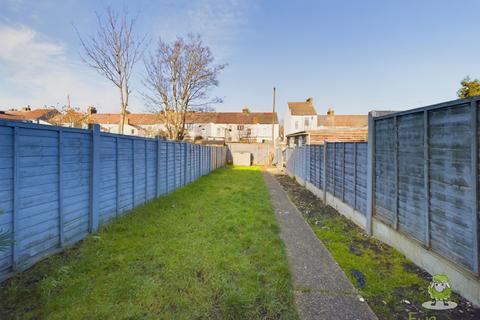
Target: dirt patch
[404,301]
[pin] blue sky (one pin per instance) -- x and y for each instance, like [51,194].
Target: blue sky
[353,55]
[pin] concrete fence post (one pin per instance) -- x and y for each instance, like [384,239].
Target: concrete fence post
[146,171]
[474,155]
[334,176]
[15,249]
[95,177]
[60,189]
[395,165]
[370,171]
[355,175]
[185,163]
[157,173]
[174,145]
[343,172]
[426,178]
[324,164]
[117,175]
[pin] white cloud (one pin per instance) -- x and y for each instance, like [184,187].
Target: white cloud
[37,71]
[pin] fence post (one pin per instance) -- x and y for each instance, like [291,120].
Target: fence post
[133,173]
[15,200]
[146,173]
[474,155]
[95,178]
[166,166]
[355,176]
[158,169]
[370,171]
[426,178]
[185,164]
[334,169]
[174,145]
[60,188]
[117,175]
[325,150]
[395,164]
[343,173]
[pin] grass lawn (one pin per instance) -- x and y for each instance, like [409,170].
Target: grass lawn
[392,285]
[210,250]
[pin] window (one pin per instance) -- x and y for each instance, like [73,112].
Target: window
[249,131]
[296,124]
[307,122]
[240,127]
[133,131]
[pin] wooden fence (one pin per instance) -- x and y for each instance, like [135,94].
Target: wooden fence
[59,184]
[418,174]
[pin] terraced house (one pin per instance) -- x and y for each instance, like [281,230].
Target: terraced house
[245,126]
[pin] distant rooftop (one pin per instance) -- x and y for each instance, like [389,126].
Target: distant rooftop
[303,108]
[342,120]
[27,114]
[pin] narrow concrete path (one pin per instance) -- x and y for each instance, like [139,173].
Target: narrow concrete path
[322,290]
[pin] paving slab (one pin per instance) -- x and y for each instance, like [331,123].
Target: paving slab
[322,290]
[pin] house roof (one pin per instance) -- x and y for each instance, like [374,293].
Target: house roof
[304,108]
[342,121]
[30,115]
[194,117]
[247,117]
[55,117]
[133,118]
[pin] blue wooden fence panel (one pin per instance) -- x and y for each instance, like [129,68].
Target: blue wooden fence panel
[58,184]
[108,181]
[319,160]
[125,180]
[361,177]
[425,176]
[163,167]
[450,183]
[139,169]
[411,179]
[339,166]
[385,171]
[6,190]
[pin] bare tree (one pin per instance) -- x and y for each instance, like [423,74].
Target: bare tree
[179,77]
[113,51]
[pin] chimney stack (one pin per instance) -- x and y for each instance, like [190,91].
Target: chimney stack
[309,100]
[330,117]
[245,110]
